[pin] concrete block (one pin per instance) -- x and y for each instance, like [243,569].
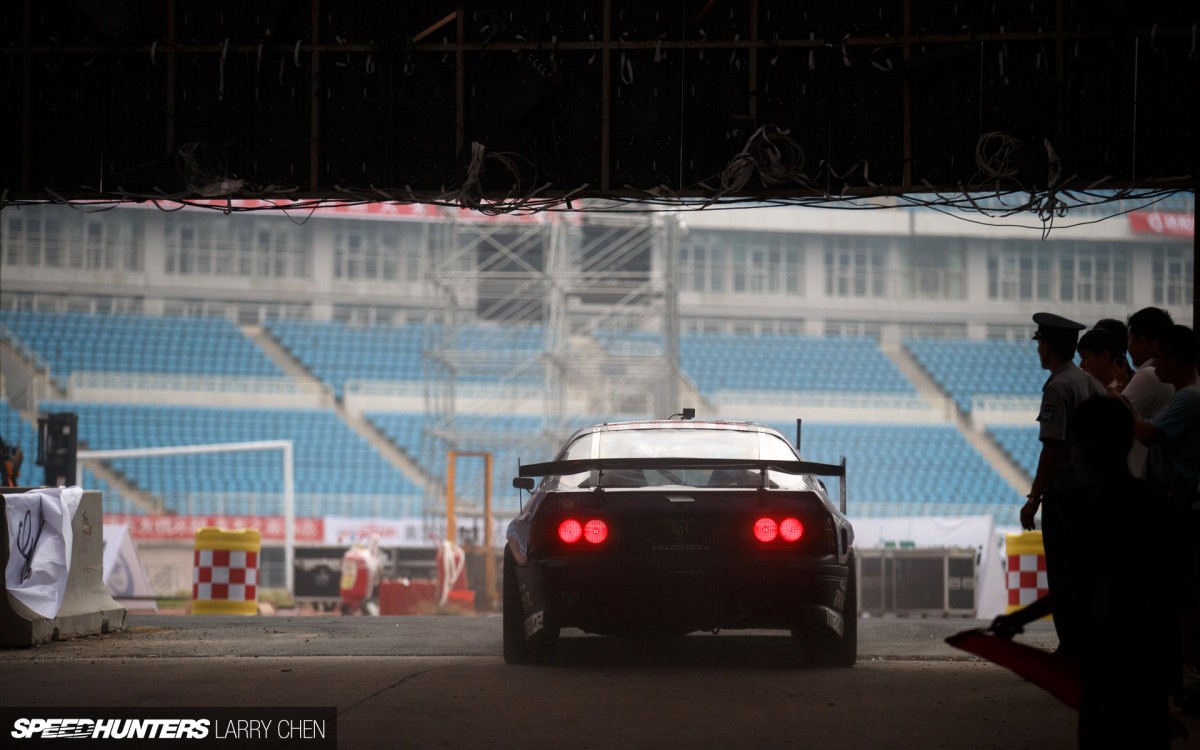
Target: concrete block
[87,607]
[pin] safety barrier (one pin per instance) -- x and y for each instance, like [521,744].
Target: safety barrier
[1026,569]
[225,575]
[81,605]
[407,597]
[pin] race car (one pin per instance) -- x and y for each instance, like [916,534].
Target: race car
[660,528]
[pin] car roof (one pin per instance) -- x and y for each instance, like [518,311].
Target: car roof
[678,424]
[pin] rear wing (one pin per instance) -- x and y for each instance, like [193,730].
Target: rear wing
[578,466]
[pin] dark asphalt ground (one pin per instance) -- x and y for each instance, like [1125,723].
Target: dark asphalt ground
[439,681]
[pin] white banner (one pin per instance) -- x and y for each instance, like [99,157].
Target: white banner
[405,532]
[973,532]
[124,576]
[39,547]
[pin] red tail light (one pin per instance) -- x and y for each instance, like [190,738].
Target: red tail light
[594,531]
[570,531]
[768,529]
[765,529]
[791,529]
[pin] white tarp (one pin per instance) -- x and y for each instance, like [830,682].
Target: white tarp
[39,547]
[973,532]
[124,576]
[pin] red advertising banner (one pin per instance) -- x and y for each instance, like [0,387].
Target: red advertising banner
[358,210]
[1162,222]
[163,527]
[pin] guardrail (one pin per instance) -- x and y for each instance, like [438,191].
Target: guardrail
[836,407]
[416,388]
[988,409]
[308,504]
[832,399]
[158,381]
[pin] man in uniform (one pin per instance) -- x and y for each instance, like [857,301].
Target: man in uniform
[1060,481]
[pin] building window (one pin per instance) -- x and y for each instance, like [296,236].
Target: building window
[855,267]
[249,246]
[720,261]
[701,265]
[366,315]
[378,251]
[1019,271]
[1093,275]
[933,269]
[933,330]
[53,238]
[701,325]
[60,303]
[854,329]
[1005,332]
[1074,272]
[1173,273]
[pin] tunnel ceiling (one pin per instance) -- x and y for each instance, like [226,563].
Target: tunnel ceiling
[540,104]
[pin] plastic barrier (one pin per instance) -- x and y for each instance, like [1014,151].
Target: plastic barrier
[87,608]
[1026,569]
[225,575]
[397,597]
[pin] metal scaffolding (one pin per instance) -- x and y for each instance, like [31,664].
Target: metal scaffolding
[538,325]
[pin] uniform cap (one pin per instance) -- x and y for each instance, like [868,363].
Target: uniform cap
[1051,324]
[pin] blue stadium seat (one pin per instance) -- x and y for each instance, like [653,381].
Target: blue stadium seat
[789,363]
[902,469]
[139,343]
[964,369]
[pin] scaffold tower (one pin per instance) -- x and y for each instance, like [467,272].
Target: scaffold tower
[538,325]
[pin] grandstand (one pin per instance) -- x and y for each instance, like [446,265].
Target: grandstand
[965,369]
[69,342]
[717,362]
[897,469]
[907,353]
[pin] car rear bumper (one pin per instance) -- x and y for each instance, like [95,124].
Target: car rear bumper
[648,596]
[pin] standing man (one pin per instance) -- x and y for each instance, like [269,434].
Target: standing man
[1173,435]
[1145,392]
[1099,354]
[1120,332]
[1060,481]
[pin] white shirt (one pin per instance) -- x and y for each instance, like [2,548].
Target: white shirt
[1147,394]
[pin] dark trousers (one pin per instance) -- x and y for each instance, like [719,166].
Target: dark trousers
[1060,538]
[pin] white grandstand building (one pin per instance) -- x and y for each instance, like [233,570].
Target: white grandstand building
[520,327]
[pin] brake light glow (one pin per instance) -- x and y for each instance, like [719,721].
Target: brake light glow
[791,529]
[570,531]
[765,529]
[594,531]
[768,529]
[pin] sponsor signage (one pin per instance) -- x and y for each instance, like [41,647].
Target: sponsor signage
[402,532]
[335,209]
[1162,222]
[164,527]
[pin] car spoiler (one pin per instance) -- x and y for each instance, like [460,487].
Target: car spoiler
[579,465]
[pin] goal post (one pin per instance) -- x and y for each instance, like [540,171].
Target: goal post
[289,481]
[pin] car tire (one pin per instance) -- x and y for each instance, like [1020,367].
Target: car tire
[820,646]
[540,648]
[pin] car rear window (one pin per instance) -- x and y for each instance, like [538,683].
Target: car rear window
[678,443]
